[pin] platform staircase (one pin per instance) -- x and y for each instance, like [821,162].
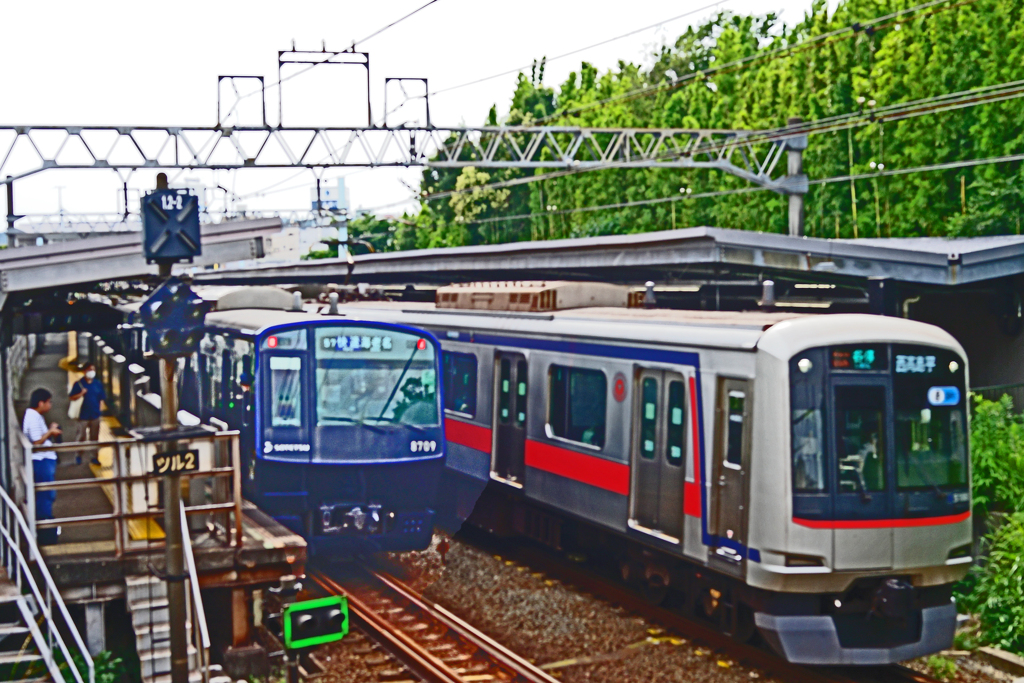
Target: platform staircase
[32,614]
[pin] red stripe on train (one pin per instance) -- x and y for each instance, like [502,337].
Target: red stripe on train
[588,469]
[468,434]
[691,490]
[881,523]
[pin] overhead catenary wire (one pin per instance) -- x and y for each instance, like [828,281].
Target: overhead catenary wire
[943,166]
[891,113]
[849,31]
[578,50]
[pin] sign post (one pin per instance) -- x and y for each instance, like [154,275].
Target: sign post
[174,317]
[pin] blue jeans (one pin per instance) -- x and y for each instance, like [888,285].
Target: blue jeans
[45,470]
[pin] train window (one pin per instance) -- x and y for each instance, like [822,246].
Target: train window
[648,417]
[860,437]
[737,404]
[521,375]
[931,424]
[375,375]
[460,382]
[504,390]
[577,404]
[807,401]
[285,391]
[676,432]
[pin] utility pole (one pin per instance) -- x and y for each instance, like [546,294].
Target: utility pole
[795,147]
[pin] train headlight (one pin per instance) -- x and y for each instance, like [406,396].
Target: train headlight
[805,365]
[838,603]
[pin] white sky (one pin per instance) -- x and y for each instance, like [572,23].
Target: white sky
[144,63]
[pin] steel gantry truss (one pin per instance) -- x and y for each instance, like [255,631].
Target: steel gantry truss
[27,150]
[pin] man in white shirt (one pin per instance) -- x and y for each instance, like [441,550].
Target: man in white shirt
[44,463]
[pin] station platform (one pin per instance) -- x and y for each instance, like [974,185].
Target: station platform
[86,563]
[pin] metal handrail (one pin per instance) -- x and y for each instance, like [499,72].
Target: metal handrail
[198,612]
[122,479]
[19,569]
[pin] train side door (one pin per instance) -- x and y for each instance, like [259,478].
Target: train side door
[732,459]
[508,461]
[659,450]
[863,448]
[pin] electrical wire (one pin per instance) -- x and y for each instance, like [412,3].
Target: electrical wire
[393,23]
[944,166]
[849,31]
[578,50]
[891,113]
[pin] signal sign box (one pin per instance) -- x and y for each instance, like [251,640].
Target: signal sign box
[315,622]
[174,318]
[170,226]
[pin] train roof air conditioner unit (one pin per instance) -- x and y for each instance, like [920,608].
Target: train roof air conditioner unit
[531,297]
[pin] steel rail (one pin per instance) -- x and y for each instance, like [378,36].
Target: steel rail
[511,666]
[408,651]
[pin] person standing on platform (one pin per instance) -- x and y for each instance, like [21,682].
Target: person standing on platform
[93,404]
[44,463]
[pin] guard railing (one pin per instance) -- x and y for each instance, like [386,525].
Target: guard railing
[200,632]
[133,489]
[17,538]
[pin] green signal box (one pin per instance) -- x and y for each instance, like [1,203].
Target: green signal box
[315,622]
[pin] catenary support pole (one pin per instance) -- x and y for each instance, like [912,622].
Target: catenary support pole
[10,203]
[795,168]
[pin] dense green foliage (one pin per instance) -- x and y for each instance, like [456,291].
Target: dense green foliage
[992,590]
[947,48]
[997,457]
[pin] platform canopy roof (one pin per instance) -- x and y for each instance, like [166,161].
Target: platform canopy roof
[663,257]
[119,257]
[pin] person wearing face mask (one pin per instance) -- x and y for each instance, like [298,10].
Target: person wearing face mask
[93,404]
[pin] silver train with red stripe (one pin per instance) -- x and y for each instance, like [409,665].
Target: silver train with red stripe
[798,476]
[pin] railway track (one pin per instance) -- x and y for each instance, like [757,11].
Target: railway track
[428,642]
[590,581]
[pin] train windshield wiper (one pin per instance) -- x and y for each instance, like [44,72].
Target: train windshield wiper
[398,383]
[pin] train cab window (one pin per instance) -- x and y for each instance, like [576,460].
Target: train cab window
[577,404]
[648,417]
[734,452]
[288,340]
[674,444]
[285,391]
[931,421]
[460,382]
[504,390]
[369,375]
[860,438]
[521,376]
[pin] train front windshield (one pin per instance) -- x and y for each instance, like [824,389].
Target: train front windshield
[878,431]
[370,376]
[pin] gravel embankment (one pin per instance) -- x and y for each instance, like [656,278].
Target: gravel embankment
[547,622]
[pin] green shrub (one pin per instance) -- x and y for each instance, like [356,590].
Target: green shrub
[942,668]
[995,594]
[997,457]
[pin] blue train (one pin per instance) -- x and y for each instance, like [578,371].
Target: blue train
[341,432]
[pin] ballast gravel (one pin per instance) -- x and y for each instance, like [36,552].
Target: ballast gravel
[546,622]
